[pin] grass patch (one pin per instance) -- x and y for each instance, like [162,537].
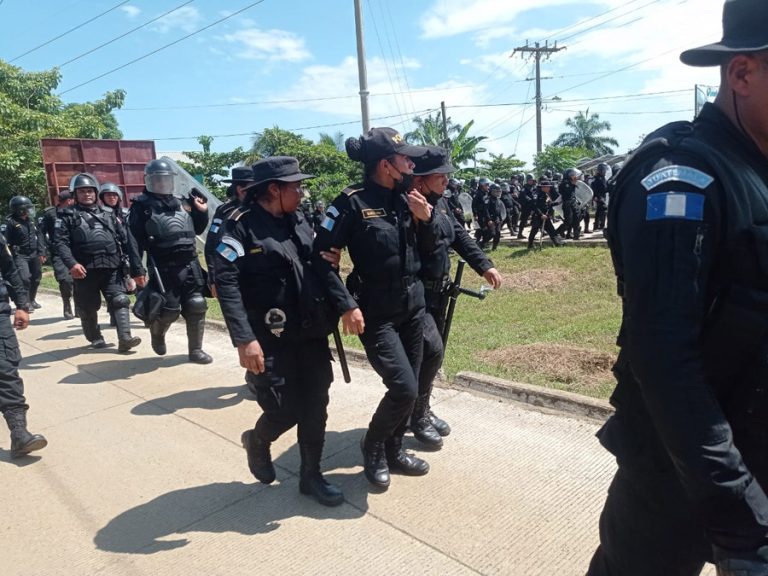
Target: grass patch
[553,323]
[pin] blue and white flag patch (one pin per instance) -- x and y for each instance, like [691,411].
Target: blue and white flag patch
[230,248]
[328,223]
[332,212]
[226,252]
[677,173]
[214,228]
[677,205]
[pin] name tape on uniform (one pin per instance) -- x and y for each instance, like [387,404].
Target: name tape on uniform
[374,213]
[675,205]
[677,173]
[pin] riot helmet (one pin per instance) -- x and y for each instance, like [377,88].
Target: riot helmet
[571,173]
[320,206]
[86,183]
[529,177]
[495,190]
[21,206]
[483,182]
[111,188]
[159,176]
[505,187]
[452,183]
[604,170]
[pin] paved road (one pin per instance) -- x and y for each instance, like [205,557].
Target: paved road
[144,475]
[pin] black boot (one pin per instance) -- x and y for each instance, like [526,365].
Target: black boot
[440,425]
[374,463]
[68,315]
[259,458]
[159,327]
[22,442]
[195,332]
[401,461]
[311,480]
[422,428]
[123,323]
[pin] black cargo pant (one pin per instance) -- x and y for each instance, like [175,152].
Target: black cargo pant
[63,277]
[394,348]
[31,271]
[182,283]
[433,348]
[537,222]
[98,281]
[525,213]
[293,390]
[11,384]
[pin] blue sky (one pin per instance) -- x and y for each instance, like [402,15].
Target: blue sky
[292,63]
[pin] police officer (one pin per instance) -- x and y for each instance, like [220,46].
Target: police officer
[543,213]
[111,198]
[27,245]
[527,198]
[480,210]
[90,242]
[13,405]
[269,296]
[377,220]
[318,215]
[60,271]
[512,207]
[165,227]
[571,227]
[430,174]
[600,190]
[242,176]
[493,210]
[688,241]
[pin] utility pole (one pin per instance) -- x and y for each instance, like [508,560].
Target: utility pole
[537,51]
[445,125]
[361,69]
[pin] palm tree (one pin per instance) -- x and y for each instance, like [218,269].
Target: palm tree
[585,133]
[336,140]
[429,132]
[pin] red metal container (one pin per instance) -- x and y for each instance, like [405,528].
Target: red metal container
[119,161]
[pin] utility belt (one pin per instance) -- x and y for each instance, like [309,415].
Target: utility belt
[438,285]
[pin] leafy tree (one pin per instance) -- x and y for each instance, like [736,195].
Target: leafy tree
[586,133]
[500,166]
[29,111]
[462,146]
[333,170]
[559,158]
[336,140]
[211,164]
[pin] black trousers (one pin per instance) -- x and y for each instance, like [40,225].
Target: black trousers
[525,213]
[601,210]
[63,277]
[536,225]
[433,355]
[31,271]
[98,281]
[394,348]
[181,283]
[293,391]
[11,384]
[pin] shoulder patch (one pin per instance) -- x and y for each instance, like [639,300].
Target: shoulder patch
[352,190]
[234,244]
[332,212]
[675,205]
[676,173]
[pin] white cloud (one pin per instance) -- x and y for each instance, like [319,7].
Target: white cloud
[270,45]
[186,18]
[130,10]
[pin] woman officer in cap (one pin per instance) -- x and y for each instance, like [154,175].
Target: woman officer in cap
[430,178]
[377,220]
[268,294]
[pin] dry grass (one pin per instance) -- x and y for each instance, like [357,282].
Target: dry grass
[535,280]
[568,365]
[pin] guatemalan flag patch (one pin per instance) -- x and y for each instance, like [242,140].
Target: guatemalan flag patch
[675,205]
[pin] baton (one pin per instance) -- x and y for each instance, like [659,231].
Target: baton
[153,266]
[342,355]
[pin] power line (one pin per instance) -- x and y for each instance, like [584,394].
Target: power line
[69,31]
[131,31]
[384,58]
[148,54]
[598,25]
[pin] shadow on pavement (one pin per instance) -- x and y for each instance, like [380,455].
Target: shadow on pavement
[5,456]
[33,321]
[220,507]
[66,335]
[205,399]
[44,359]
[121,368]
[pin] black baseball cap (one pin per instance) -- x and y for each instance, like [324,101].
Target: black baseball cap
[385,142]
[745,29]
[435,160]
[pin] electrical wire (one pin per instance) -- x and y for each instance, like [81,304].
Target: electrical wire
[115,7]
[148,54]
[131,31]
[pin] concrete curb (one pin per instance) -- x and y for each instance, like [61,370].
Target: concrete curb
[558,400]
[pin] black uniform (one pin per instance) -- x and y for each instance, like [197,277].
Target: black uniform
[316,218]
[165,227]
[527,197]
[93,237]
[512,207]
[571,226]
[60,271]
[492,232]
[480,213]
[542,215]
[11,384]
[27,246]
[434,244]
[215,230]
[262,263]
[380,232]
[600,191]
[687,235]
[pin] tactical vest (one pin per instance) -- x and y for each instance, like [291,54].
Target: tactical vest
[22,236]
[169,229]
[93,234]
